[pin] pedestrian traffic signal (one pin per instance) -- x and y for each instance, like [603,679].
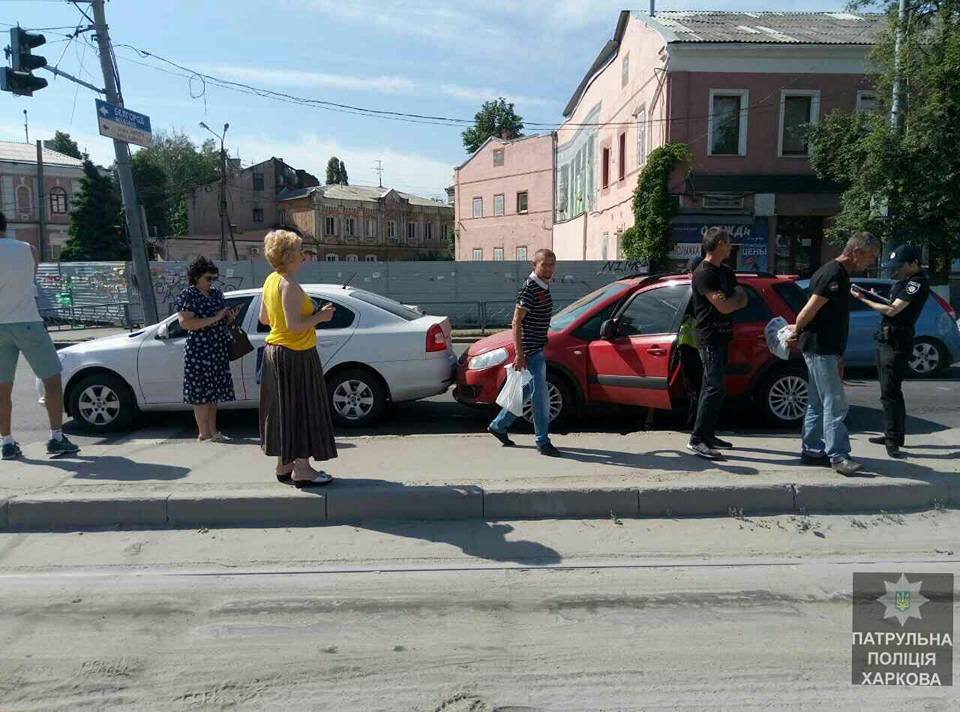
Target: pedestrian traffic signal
[18,78]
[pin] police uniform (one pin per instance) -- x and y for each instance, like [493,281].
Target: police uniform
[895,345]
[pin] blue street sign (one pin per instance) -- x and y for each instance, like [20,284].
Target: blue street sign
[123,125]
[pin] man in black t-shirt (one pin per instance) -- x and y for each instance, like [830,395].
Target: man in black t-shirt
[821,329]
[895,339]
[716,295]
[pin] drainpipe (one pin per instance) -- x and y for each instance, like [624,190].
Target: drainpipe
[653,7]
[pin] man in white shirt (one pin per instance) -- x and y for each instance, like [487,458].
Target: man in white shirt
[22,331]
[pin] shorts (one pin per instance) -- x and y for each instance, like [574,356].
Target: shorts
[30,339]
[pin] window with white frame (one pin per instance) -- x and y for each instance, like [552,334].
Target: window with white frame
[727,122]
[478,254]
[428,231]
[867,102]
[522,253]
[411,231]
[478,207]
[498,204]
[522,200]
[498,157]
[331,257]
[498,254]
[329,226]
[799,110]
[352,258]
[641,137]
[371,227]
[625,71]
[392,229]
[370,258]
[58,201]
[349,227]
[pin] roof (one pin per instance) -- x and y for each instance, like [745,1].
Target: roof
[833,28]
[609,51]
[501,141]
[362,193]
[27,153]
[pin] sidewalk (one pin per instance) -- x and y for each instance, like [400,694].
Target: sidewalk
[143,480]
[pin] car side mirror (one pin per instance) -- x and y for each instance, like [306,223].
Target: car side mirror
[164,331]
[610,329]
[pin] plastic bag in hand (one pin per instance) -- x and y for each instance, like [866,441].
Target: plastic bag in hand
[777,332]
[511,397]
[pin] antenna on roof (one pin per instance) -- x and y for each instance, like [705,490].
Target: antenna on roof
[379,170]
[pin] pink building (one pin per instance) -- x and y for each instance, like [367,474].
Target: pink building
[20,195]
[738,89]
[503,200]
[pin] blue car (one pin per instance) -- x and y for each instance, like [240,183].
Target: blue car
[937,342]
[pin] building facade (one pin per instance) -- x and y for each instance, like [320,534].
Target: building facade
[503,200]
[739,89]
[252,203]
[367,223]
[20,196]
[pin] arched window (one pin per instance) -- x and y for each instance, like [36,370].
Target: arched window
[58,201]
[24,200]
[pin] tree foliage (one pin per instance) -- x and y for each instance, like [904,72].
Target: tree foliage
[653,208]
[495,118]
[912,174]
[62,143]
[336,172]
[95,232]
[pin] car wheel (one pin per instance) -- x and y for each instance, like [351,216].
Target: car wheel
[357,398]
[783,397]
[928,358]
[561,401]
[102,403]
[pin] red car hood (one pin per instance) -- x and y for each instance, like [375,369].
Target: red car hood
[489,343]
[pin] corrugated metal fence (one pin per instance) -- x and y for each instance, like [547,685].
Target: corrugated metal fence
[472,294]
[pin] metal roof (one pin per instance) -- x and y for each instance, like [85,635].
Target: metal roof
[17,152]
[834,28]
[363,193]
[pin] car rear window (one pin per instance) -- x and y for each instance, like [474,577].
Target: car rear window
[388,305]
[793,294]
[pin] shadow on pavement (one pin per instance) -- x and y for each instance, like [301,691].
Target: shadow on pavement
[676,460]
[112,468]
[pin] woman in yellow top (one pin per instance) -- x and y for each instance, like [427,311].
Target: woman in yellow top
[295,422]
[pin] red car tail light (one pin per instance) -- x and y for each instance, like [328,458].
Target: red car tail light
[436,339]
[945,304]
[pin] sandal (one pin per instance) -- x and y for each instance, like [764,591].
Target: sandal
[285,477]
[320,479]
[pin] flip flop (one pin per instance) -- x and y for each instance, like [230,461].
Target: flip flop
[321,478]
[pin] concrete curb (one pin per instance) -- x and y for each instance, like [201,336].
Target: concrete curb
[186,507]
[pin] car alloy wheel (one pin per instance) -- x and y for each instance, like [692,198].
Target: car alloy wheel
[98,405]
[787,398]
[353,400]
[925,358]
[556,404]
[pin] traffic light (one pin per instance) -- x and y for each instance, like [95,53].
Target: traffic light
[18,78]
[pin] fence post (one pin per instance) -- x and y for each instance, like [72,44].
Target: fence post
[483,318]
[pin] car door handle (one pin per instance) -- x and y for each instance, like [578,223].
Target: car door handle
[657,351]
[326,343]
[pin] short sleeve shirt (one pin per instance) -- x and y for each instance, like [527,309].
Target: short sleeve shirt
[712,327]
[539,305]
[914,290]
[826,335]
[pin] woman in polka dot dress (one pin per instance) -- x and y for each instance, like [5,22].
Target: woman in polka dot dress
[206,368]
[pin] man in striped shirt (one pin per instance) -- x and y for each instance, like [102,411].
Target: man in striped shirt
[531,320]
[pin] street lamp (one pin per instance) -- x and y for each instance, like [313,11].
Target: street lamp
[223,195]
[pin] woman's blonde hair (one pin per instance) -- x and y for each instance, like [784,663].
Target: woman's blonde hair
[281,246]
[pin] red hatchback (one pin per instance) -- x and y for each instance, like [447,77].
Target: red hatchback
[618,345]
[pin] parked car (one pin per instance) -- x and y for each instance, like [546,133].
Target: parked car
[617,345]
[375,351]
[936,344]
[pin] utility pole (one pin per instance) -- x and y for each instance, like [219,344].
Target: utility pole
[224,217]
[131,208]
[379,170]
[41,205]
[896,106]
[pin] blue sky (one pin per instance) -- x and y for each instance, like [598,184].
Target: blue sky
[436,57]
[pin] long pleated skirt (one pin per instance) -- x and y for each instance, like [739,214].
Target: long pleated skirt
[294,408]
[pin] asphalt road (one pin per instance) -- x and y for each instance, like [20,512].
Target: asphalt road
[932,405]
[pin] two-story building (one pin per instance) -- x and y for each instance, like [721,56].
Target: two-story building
[739,89]
[503,198]
[20,195]
[356,223]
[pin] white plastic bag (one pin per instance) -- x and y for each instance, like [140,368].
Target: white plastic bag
[777,332]
[511,397]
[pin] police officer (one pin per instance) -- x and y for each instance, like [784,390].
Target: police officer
[895,339]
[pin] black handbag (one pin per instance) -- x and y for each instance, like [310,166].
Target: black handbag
[238,343]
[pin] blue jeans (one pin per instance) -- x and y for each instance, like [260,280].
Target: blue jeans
[537,391]
[824,429]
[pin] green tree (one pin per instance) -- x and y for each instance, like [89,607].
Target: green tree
[152,190]
[62,143]
[495,118]
[912,172]
[95,233]
[653,207]
[336,172]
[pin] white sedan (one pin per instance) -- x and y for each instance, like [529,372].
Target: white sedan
[375,351]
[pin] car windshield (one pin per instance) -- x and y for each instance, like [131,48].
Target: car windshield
[388,305]
[566,316]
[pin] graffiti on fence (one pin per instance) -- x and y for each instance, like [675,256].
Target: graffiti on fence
[624,266]
[171,279]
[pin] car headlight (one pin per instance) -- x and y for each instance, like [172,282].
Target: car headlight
[488,360]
